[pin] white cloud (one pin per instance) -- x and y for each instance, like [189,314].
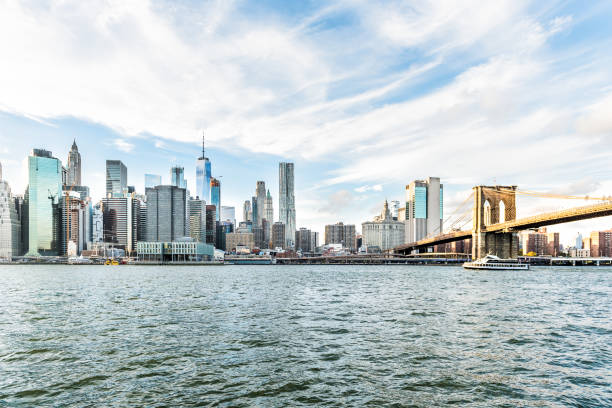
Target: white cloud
[123,145]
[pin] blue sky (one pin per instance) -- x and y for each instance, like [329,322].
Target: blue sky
[364,96]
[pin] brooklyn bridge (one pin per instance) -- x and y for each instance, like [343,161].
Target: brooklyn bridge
[495,226]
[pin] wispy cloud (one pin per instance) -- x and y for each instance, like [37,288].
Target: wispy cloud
[123,145]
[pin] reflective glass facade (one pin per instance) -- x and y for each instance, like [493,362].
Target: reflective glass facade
[116,179]
[420,202]
[203,172]
[215,196]
[45,189]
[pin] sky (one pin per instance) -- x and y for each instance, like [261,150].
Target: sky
[363,96]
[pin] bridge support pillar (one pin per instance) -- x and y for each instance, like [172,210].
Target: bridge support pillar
[504,245]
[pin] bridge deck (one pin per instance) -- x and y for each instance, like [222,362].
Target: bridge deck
[541,220]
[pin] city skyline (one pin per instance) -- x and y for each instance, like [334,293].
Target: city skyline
[352,115]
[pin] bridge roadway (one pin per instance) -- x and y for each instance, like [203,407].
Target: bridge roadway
[537,221]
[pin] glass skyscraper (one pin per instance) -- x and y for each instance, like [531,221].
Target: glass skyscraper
[116,179]
[44,193]
[424,209]
[152,180]
[177,177]
[203,175]
[215,196]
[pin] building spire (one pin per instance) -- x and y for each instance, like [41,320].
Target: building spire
[203,145]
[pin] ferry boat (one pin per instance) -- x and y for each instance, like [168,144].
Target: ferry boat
[492,262]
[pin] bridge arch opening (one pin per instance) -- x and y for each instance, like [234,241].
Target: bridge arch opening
[502,211]
[487,213]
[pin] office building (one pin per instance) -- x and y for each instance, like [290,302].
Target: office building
[235,240]
[183,250]
[120,219]
[10,222]
[211,224]
[228,214]
[215,196]
[43,196]
[97,225]
[166,209]
[424,209]
[116,179]
[286,200]
[579,241]
[383,232]
[260,194]
[600,243]
[340,234]
[278,235]
[73,177]
[197,220]
[247,212]
[305,240]
[254,212]
[74,224]
[203,175]
[152,180]
[394,207]
[177,177]
[223,228]
[259,237]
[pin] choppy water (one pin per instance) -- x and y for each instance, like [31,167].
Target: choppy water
[304,336]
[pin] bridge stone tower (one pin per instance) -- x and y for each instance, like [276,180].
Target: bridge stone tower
[494,205]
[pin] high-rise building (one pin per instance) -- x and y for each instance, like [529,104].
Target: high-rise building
[203,175]
[305,240]
[394,207]
[152,180]
[340,234]
[278,235]
[260,193]
[384,232]
[10,222]
[259,237]
[43,196]
[211,224]
[254,211]
[579,241]
[97,224]
[177,177]
[215,196]
[228,214]
[116,179]
[286,200]
[74,224]
[197,220]
[166,208]
[424,209]
[247,212]
[269,208]
[120,219]
[223,228]
[73,177]
[601,243]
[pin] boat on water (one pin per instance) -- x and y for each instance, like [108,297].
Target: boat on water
[494,263]
[111,262]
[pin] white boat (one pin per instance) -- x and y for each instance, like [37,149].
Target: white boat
[492,262]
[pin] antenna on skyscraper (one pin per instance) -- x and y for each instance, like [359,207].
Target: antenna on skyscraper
[203,144]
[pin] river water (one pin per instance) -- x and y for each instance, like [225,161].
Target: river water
[278,336]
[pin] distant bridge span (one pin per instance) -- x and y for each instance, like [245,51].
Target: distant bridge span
[499,238]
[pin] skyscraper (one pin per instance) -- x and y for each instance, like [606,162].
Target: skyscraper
[215,196]
[247,212]
[424,209]
[166,208]
[10,222]
[278,235]
[74,166]
[228,214]
[260,193]
[120,219]
[44,193]
[177,177]
[203,175]
[197,220]
[269,208]
[152,180]
[286,199]
[254,211]
[116,179]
